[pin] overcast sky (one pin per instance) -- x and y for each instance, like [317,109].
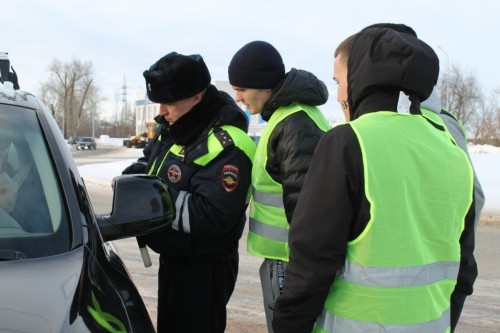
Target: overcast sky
[123,38]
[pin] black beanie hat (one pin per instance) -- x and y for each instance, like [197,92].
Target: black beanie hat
[256,65]
[175,77]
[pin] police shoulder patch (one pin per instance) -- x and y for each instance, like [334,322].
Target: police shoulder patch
[230,176]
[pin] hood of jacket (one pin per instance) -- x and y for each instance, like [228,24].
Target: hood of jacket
[381,64]
[216,108]
[298,86]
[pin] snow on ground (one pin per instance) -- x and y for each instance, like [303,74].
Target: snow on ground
[101,174]
[485,158]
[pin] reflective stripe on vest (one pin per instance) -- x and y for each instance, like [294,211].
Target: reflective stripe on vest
[215,147]
[268,227]
[400,272]
[398,276]
[340,324]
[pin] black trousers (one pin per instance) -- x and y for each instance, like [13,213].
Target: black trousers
[192,296]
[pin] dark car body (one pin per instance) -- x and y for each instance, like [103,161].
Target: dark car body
[59,271]
[86,142]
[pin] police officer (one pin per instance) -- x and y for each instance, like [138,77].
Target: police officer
[204,154]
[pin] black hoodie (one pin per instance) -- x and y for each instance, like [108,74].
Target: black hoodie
[333,209]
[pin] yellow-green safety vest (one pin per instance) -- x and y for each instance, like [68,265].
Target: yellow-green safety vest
[399,274]
[268,226]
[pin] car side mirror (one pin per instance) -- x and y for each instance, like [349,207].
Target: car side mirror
[141,203]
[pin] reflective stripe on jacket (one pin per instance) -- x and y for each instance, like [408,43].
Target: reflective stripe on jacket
[400,272]
[268,228]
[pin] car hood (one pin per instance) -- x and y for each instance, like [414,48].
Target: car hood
[37,294]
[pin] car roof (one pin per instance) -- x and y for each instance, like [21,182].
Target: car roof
[17,97]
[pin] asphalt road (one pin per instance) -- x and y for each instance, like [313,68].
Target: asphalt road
[481,312]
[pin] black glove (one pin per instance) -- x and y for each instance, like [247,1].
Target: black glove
[135,168]
[155,240]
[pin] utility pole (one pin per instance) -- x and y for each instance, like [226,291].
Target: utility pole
[145,117]
[124,105]
[93,120]
[447,78]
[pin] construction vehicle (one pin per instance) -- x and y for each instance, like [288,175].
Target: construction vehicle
[141,140]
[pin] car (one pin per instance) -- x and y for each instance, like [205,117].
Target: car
[59,271]
[73,140]
[86,142]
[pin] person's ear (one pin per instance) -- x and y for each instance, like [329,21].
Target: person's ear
[197,98]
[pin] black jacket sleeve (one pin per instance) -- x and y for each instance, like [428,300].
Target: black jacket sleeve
[467,273]
[290,151]
[468,267]
[325,219]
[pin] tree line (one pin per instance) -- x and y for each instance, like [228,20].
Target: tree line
[461,95]
[75,101]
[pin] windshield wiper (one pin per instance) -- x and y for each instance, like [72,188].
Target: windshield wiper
[8,255]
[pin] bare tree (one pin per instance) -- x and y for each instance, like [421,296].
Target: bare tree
[489,128]
[480,116]
[70,93]
[461,93]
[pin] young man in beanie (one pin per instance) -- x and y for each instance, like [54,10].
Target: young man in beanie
[288,102]
[203,153]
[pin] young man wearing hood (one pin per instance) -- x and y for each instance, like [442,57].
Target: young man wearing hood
[378,237]
[203,152]
[288,102]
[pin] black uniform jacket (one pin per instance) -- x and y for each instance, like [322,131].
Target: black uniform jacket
[210,207]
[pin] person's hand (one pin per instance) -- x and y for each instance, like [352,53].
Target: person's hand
[8,193]
[135,168]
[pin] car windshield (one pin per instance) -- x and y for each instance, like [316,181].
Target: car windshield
[86,140]
[33,218]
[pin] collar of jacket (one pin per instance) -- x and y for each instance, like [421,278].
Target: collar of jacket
[378,100]
[192,124]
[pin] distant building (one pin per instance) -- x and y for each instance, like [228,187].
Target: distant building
[145,111]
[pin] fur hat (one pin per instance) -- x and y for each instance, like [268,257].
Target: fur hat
[175,77]
[256,65]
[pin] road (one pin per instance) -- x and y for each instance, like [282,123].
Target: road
[245,313]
